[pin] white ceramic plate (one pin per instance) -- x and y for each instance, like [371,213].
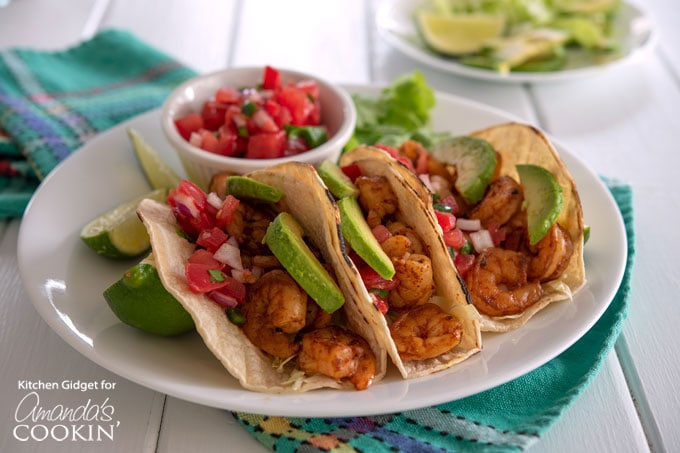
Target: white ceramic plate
[65,280]
[634,31]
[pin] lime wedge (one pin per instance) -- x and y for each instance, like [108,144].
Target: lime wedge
[543,196]
[119,233]
[458,34]
[139,299]
[159,174]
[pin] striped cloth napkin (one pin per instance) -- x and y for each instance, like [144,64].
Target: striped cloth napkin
[51,103]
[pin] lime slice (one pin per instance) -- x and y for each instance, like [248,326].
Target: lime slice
[543,196]
[159,174]
[458,34]
[119,233]
[139,299]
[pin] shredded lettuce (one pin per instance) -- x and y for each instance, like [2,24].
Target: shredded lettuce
[401,112]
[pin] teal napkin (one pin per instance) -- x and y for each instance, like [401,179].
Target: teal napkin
[507,418]
[51,103]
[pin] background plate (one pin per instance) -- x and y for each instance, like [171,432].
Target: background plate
[64,280]
[634,31]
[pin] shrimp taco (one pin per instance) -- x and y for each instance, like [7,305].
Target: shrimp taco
[258,269]
[401,267]
[510,215]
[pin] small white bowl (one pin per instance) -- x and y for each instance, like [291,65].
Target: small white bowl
[337,114]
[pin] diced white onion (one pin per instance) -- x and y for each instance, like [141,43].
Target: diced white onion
[214,200]
[241,275]
[481,240]
[195,139]
[469,224]
[233,241]
[229,255]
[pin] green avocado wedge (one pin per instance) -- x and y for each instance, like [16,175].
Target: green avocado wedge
[475,161]
[337,182]
[357,232]
[244,187]
[543,196]
[284,239]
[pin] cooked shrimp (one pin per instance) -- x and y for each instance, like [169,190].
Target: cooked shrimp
[249,226]
[317,317]
[498,283]
[275,310]
[503,199]
[416,282]
[376,197]
[424,332]
[550,255]
[396,246]
[266,261]
[339,354]
[401,229]
[414,150]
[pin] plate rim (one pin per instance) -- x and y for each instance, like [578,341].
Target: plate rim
[46,308]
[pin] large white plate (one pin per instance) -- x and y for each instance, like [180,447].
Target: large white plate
[64,280]
[634,32]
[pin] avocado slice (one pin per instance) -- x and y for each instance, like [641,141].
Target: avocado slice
[360,237]
[284,238]
[475,161]
[337,182]
[543,196]
[244,187]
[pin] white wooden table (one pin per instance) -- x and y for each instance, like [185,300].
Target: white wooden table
[624,124]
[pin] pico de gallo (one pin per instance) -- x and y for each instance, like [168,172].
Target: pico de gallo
[272,119]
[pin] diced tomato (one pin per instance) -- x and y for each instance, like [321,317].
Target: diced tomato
[281,115]
[381,233]
[464,263]
[497,233]
[380,303]
[446,220]
[297,102]
[310,87]
[451,202]
[225,215]
[372,280]
[264,122]
[188,124]
[203,256]
[295,145]
[271,79]
[227,95]
[212,239]
[202,278]
[233,288]
[213,114]
[208,140]
[266,145]
[190,206]
[352,171]
[226,142]
[454,238]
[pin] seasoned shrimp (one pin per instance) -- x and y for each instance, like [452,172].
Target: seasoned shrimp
[275,310]
[503,199]
[401,229]
[396,246]
[339,354]
[376,197]
[317,317]
[498,283]
[550,255]
[416,282]
[249,226]
[414,151]
[424,332]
